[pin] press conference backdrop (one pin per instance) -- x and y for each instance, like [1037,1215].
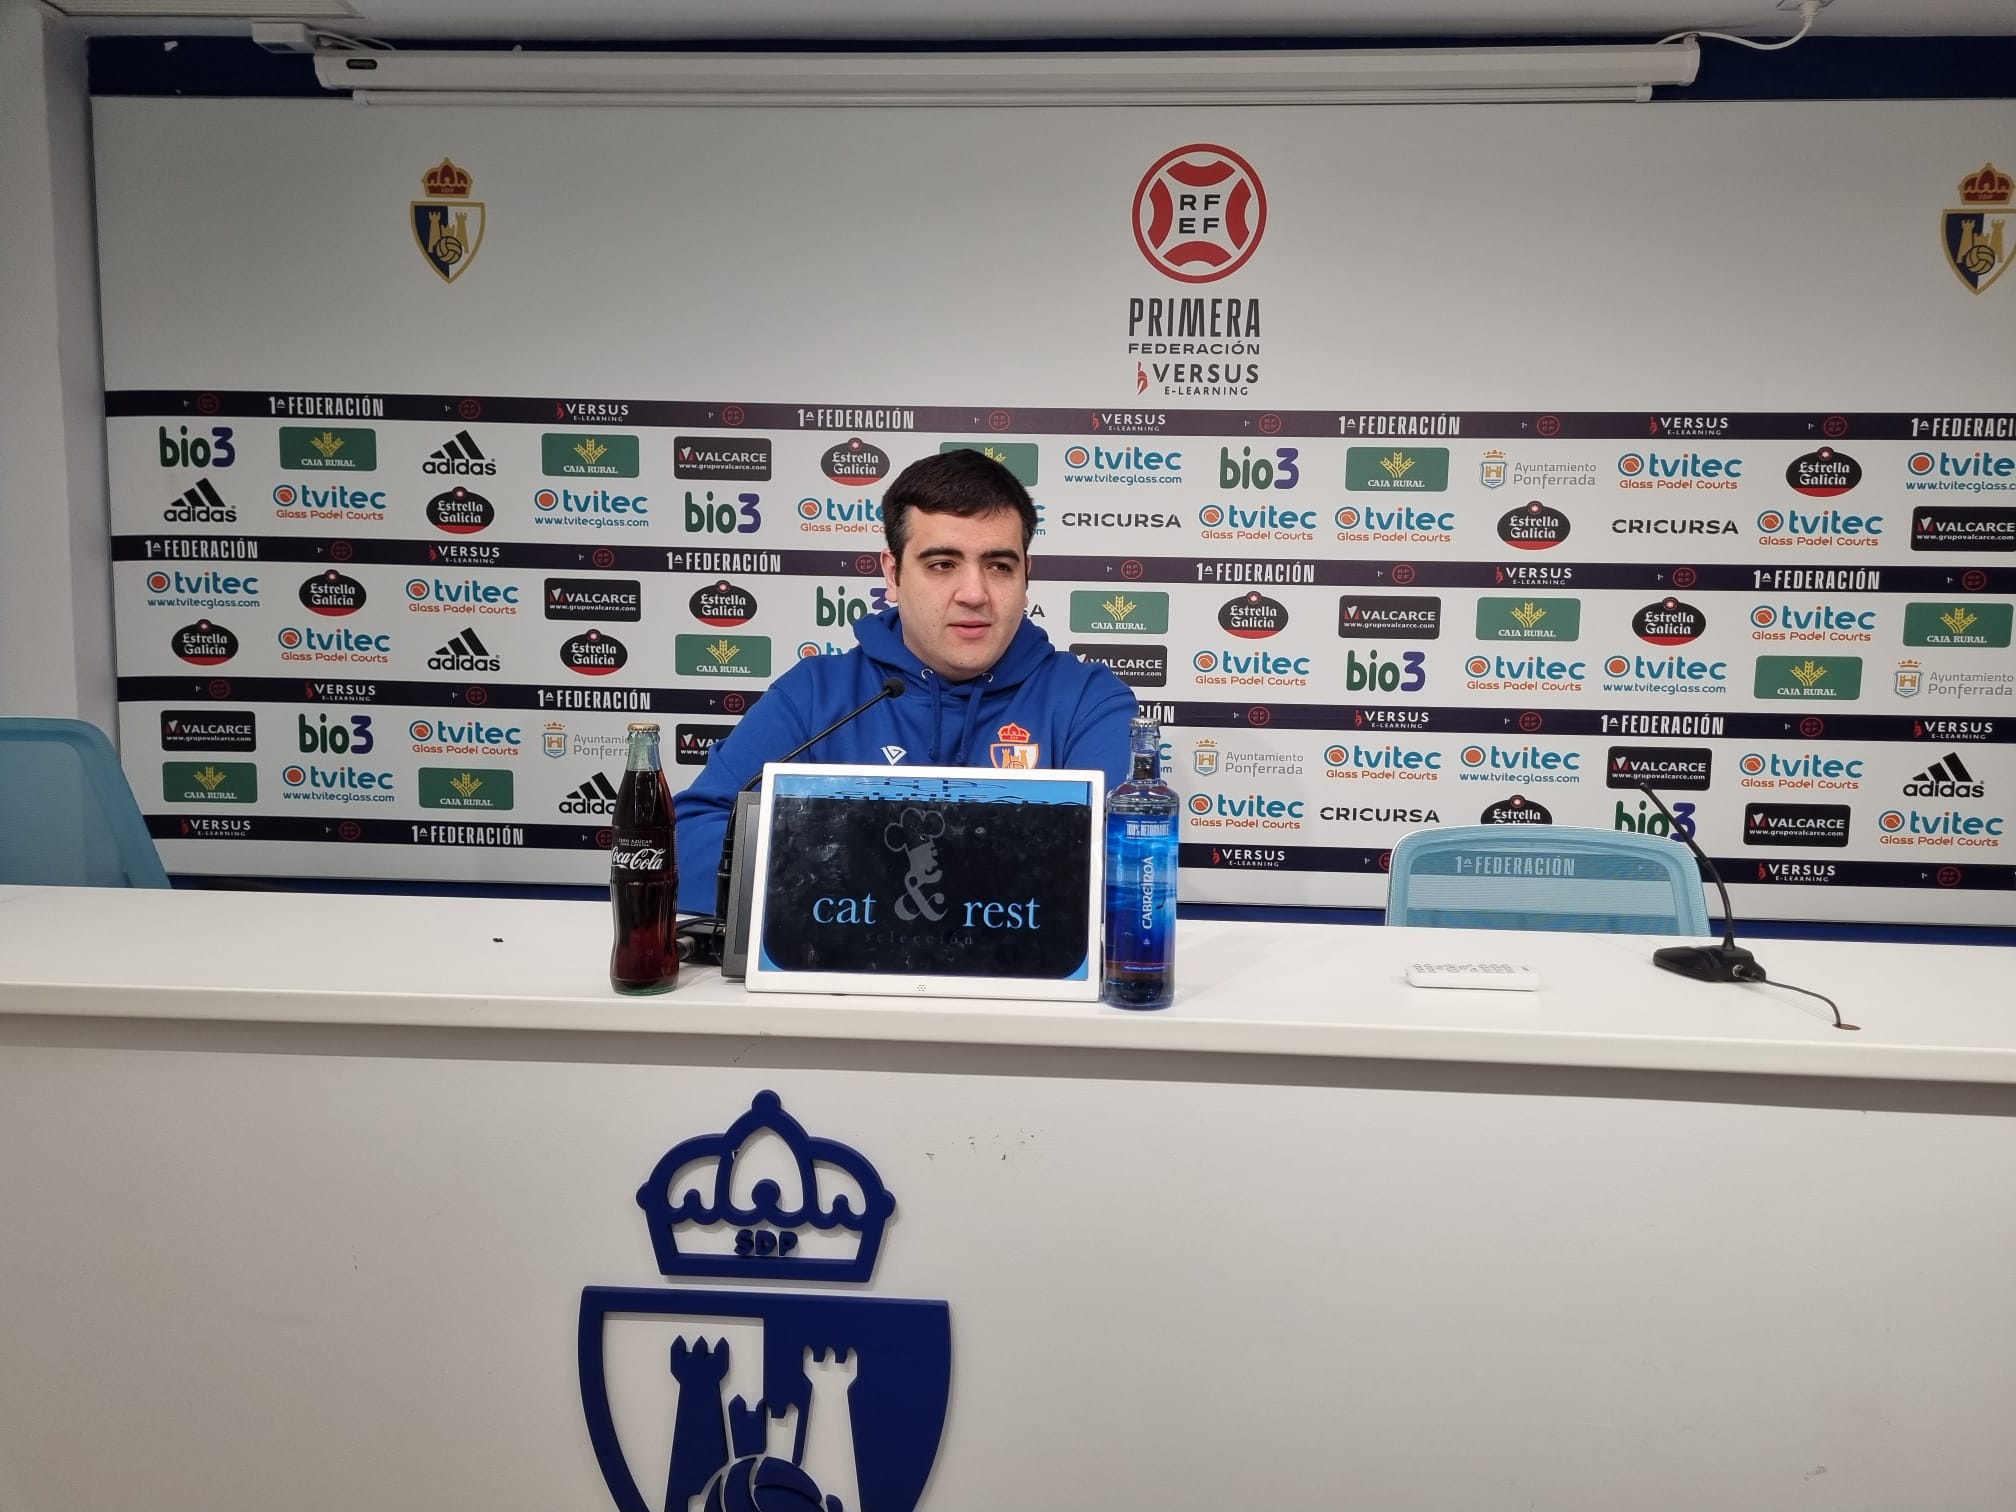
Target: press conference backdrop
[1417,465]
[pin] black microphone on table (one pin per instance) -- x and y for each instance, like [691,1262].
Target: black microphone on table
[1727,962]
[892,687]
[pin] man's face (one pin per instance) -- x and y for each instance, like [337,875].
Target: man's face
[962,586]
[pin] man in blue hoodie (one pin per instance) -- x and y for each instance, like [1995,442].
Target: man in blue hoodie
[982,685]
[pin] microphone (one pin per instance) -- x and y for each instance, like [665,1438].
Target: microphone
[892,687]
[1727,962]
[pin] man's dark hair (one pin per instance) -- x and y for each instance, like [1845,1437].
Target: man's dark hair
[965,482]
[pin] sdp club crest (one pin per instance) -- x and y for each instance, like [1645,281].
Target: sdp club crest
[1974,235]
[700,1399]
[448,225]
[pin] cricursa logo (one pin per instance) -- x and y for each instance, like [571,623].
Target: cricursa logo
[1199,213]
[785,1398]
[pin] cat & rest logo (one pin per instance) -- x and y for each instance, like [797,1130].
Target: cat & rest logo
[447,224]
[777,1398]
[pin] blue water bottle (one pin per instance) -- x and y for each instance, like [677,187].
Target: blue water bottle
[1141,880]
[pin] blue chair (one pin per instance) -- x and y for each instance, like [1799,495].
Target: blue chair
[1540,876]
[67,817]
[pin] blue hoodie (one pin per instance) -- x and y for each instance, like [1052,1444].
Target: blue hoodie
[1074,713]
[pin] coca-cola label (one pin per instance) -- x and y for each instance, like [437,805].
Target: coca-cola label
[636,856]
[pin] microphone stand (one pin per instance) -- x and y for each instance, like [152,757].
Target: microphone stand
[1727,962]
[892,687]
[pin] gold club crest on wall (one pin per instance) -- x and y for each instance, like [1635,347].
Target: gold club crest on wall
[448,225]
[1975,235]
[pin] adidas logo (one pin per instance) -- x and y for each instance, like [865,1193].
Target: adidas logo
[465,653]
[460,457]
[595,796]
[1945,779]
[201,505]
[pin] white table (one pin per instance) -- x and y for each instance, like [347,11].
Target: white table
[299,1196]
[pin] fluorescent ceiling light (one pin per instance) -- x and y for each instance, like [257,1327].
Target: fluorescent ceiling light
[1369,76]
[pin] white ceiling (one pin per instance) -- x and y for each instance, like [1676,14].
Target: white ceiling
[673,21]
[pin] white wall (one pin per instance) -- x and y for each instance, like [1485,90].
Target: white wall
[55,554]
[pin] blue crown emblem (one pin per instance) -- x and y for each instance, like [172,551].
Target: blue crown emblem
[765,1199]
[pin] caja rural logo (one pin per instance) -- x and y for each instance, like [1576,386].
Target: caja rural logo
[784,1398]
[1199,213]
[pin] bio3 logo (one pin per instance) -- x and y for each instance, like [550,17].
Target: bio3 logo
[322,738]
[1249,471]
[1373,674]
[708,515]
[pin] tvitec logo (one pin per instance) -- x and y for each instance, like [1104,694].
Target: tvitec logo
[1681,470]
[782,1398]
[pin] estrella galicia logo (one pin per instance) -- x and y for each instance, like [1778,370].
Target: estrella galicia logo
[461,511]
[783,1397]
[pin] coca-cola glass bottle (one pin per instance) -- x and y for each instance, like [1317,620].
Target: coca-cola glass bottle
[643,873]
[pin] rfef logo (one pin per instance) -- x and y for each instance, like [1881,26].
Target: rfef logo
[1199,213]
